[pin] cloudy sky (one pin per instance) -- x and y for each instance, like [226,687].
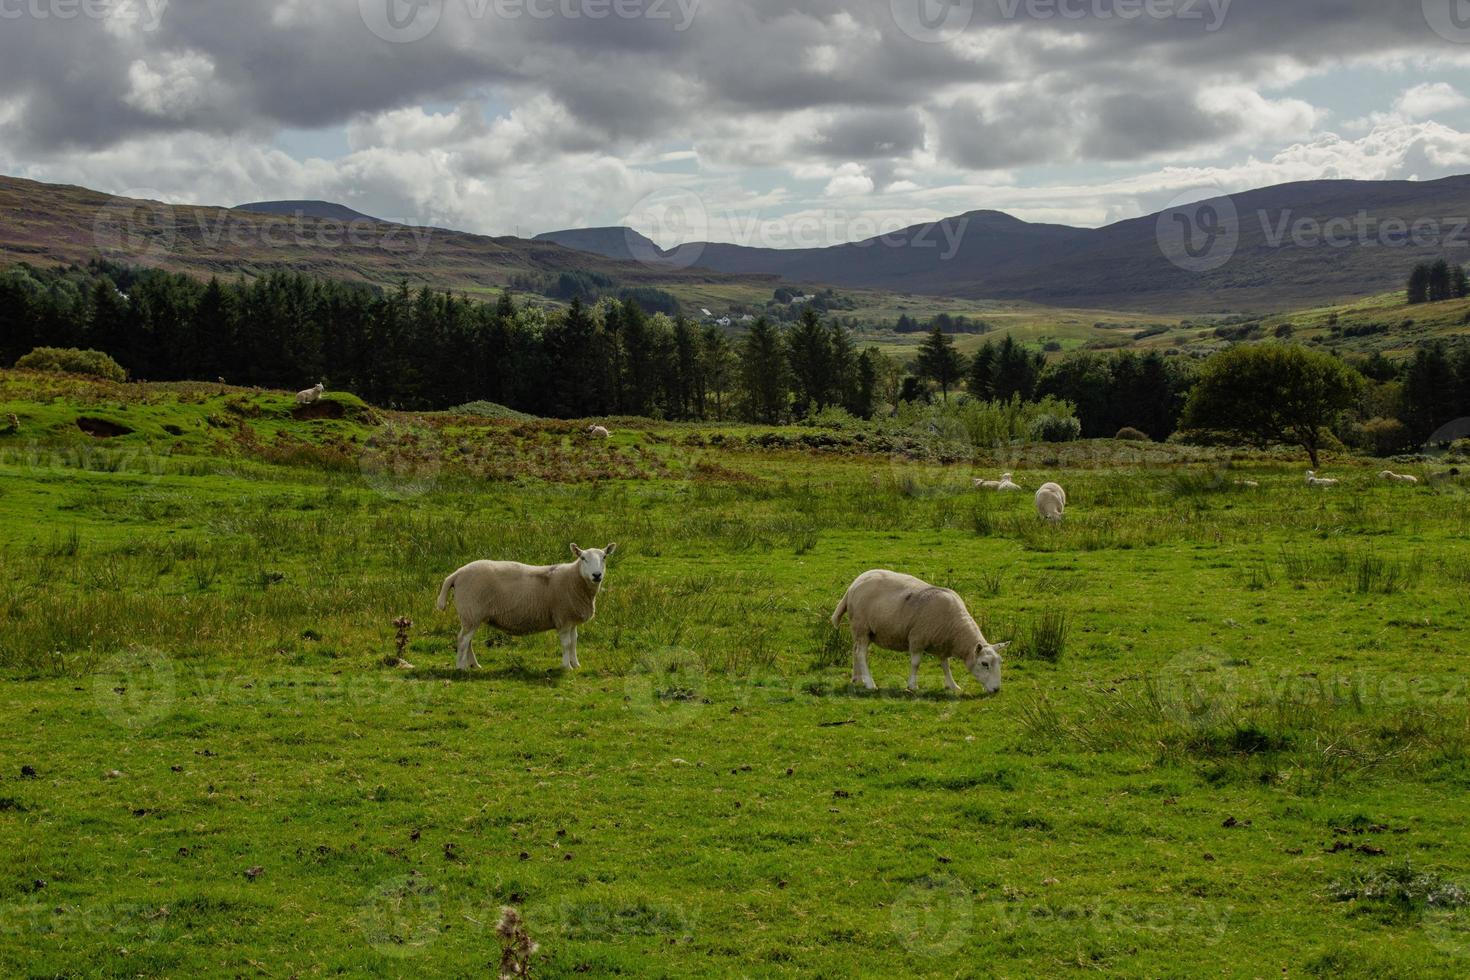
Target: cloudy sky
[802,122]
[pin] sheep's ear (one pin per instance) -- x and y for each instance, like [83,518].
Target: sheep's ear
[610,550]
[576,552]
[1002,647]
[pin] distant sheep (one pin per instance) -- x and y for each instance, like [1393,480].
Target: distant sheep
[1248,484]
[1051,502]
[12,423]
[311,395]
[900,612]
[1313,480]
[598,432]
[1003,485]
[1393,477]
[523,599]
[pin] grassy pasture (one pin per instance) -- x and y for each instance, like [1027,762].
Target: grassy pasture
[1232,739]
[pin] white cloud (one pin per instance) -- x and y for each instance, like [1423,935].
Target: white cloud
[1429,99]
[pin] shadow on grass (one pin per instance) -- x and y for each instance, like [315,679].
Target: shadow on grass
[519,673]
[856,693]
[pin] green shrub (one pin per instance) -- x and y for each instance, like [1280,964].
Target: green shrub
[1380,436]
[71,361]
[1056,428]
[1130,434]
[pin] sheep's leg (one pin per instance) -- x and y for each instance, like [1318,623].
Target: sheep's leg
[860,672]
[569,648]
[466,660]
[949,679]
[914,659]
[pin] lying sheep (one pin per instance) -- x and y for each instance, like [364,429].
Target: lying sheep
[1248,484]
[1051,502]
[525,599]
[598,432]
[1393,477]
[900,612]
[1004,484]
[1313,480]
[311,395]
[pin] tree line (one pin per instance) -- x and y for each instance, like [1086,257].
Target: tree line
[1435,282]
[426,350]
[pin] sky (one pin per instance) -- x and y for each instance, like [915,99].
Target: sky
[795,124]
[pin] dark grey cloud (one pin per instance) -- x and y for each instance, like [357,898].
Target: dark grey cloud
[231,66]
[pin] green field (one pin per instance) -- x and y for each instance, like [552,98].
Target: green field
[1233,738]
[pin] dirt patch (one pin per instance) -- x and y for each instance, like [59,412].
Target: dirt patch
[321,410]
[102,428]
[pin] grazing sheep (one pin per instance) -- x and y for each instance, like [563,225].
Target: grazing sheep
[525,599]
[598,432]
[900,612]
[311,395]
[1393,477]
[1313,480]
[1051,502]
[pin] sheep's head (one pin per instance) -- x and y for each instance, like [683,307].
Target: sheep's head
[593,564]
[984,664]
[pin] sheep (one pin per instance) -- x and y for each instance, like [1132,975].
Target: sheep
[1313,480]
[1393,477]
[900,612]
[1248,484]
[1051,502]
[598,432]
[1003,485]
[311,395]
[12,424]
[525,599]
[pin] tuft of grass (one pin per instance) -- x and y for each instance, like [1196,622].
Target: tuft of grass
[1046,636]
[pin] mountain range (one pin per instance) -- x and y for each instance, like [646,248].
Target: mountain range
[1289,245]
[1283,248]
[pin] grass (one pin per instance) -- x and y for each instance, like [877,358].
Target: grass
[1230,717]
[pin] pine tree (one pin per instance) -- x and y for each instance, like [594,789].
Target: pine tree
[939,362]
[809,353]
[1419,285]
[981,382]
[763,375]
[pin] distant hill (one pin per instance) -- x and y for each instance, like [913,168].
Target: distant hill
[50,223]
[1284,256]
[325,210]
[619,244]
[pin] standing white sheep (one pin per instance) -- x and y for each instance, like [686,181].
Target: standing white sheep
[598,432]
[526,599]
[1051,502]
[311,395]
[1393,477]
[900,612]
[1313,480]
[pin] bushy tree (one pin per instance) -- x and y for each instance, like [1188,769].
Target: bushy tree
[1269,393]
